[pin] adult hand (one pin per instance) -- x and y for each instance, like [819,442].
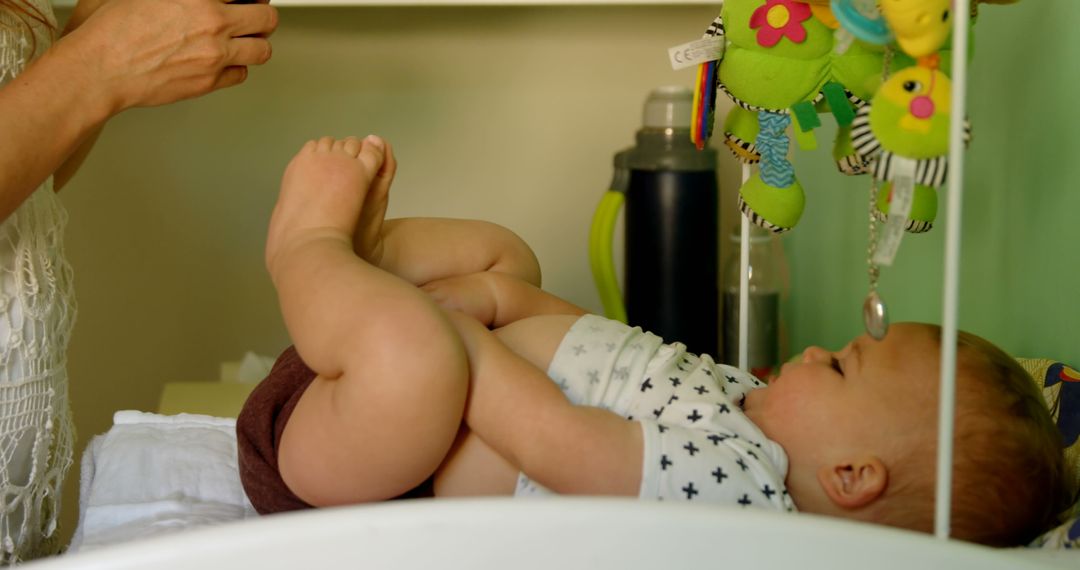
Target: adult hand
[151,52]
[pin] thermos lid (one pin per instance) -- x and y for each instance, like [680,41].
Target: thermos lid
[668,107]
[663,142]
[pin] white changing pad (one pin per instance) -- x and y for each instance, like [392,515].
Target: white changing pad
[558,533]
[152,474]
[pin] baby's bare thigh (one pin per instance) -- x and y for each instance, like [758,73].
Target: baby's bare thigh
[537,338]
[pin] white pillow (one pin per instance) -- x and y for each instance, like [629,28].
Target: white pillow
[151,474]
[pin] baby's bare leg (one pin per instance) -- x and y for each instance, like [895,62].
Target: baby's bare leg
[392,374]
[422,250]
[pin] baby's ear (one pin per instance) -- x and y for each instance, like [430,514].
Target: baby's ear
[854,484]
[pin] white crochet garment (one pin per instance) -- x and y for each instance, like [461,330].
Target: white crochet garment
[37,311]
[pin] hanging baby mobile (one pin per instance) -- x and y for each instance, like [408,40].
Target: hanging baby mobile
[785,62]
[879,67]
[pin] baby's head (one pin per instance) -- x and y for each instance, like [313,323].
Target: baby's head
[860,430]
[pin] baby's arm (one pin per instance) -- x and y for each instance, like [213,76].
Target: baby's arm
[520,413]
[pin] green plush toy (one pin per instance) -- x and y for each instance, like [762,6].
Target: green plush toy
[784,63]
[781,63]
[905,130]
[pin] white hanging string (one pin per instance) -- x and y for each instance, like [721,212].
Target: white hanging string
[946,409]
[744,285]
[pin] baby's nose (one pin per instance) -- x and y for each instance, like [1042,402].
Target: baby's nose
[815,354]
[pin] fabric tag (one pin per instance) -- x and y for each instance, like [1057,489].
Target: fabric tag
[697,51]
[903,192]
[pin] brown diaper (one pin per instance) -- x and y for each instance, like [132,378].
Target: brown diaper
[258,432]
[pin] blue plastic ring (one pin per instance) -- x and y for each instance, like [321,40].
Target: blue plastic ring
[863,27]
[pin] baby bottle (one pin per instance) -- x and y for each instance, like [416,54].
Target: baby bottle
[764,306]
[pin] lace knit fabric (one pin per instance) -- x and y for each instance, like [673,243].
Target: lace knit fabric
[37,311]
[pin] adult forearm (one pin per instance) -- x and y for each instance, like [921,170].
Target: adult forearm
[46,114]
[67,170]
[116,55]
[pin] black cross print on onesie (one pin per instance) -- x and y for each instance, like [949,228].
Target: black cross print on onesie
[695,405]
[737,465]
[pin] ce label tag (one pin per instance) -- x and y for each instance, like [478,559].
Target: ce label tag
[697,51]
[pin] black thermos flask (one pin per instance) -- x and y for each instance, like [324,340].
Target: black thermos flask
[672,229]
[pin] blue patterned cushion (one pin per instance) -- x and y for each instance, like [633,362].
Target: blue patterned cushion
[1064,536]
[1060,386]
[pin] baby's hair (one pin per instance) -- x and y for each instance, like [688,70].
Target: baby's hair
[1010,479]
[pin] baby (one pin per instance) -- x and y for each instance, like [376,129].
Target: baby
[429,362]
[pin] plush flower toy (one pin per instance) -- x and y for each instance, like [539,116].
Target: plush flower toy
[785,62]
[780,64]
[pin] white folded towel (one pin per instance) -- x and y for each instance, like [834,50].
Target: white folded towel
[151,474]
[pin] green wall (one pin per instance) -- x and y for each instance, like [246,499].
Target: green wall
[1019,274]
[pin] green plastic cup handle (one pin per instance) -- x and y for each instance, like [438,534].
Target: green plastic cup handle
[601,260]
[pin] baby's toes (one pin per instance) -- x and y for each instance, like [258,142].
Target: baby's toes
[352,146]
[349,146]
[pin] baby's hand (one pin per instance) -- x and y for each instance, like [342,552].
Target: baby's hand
[323,192]
[472,294]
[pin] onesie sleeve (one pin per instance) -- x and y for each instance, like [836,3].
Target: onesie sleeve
[688,464]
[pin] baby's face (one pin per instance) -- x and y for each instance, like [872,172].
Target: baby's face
[853,400]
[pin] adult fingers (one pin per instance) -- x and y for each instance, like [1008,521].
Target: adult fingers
[251,19]
[232,75]
[249,51]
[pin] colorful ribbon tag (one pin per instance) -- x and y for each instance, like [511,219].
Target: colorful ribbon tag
[704,107]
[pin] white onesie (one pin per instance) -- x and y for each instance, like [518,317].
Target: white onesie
[699,446]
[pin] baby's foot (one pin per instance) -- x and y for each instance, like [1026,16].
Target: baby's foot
[323,192]
[368,239]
